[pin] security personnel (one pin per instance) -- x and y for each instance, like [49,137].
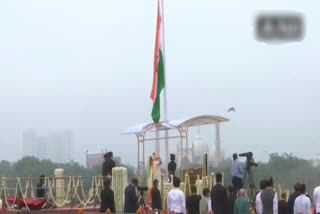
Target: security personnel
[108,164]
[172,166]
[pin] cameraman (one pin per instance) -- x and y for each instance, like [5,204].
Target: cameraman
[237,174]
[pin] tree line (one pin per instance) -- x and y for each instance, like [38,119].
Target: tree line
[286,170]
[33,167]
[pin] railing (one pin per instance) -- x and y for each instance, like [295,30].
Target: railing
[53,191]
[78,192]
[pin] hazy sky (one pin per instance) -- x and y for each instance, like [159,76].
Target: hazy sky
[87,66]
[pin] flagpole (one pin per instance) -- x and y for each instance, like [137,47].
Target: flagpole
[166,85]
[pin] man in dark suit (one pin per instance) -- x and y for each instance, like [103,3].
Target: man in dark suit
[156,196]
[108,164]
[293,196]
[131,198]
[107,198]
[218,196]
[193,202]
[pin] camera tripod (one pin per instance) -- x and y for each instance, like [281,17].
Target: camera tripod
[248,176]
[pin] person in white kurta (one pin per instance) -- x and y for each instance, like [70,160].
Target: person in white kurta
[316,199]
[302,204]
[176,198]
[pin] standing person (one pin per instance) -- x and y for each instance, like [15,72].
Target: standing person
[258,197]
[204,202]
[231,198]
[41,187]
[293,196]
[176,199]
[316,199]
[283,207]
[108,164]
[172,166]
[269,199]
[131,198]
[237,173]
[218,196]
[302,204]
[156,167]
[193,202]
[156,196]
[107,198]
[241,205]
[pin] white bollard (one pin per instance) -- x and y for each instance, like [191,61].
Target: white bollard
[59,173]
[119,184]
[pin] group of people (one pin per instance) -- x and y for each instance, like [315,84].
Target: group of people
[267,201]
[219,200]
[299,202]
[134,191]
[224,200]
[155,167]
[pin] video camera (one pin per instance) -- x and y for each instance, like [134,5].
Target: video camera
[142,189]
[250,160]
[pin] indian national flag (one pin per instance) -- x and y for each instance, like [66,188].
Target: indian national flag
[158,75]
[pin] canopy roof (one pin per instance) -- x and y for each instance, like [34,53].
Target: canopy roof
[174,124]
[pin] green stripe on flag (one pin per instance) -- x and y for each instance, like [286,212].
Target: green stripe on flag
[156,105]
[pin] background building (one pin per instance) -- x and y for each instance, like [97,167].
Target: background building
[30,144]
[61,146]
[186,161]
[56,146]
[96,159]
[199,147]
[42,147]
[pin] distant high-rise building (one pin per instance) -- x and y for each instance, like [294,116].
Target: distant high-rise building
[42,144]
[61,146]
[29,146]
[57,146]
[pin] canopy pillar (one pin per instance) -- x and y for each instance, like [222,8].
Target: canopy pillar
[141,140]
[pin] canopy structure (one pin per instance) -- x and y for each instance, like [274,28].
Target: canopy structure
[182,126]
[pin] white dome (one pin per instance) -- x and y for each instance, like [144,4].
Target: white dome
[200,146]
